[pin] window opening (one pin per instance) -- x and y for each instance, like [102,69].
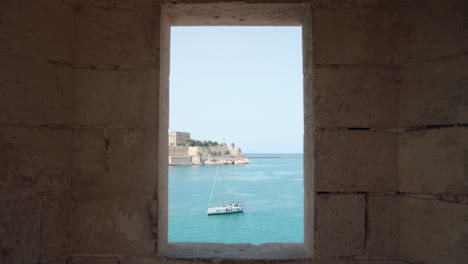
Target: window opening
[236,97]
[234,14]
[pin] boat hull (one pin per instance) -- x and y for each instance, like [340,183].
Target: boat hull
[225,209]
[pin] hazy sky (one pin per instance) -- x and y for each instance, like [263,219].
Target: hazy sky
[243,84]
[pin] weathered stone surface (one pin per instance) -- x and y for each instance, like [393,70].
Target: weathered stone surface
[140,260]
[340,229]
[112,152]
[90,159]
[433,232]
[20,230]
[113,97]
[309,220]
[116,159]
[355,98]
[34,159]
[34,92]
[355,160]
[434,93]
[54,227]
[383,226]
[118,37]
[227,13]
[378,262]
[133,156]
[37,29]
[352,3]
[432,29]
[309,112]
[434,161]
[372,261]
[96,260]
[108,223]
[354,36]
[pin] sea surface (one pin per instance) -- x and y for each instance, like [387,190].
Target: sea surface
[271,189]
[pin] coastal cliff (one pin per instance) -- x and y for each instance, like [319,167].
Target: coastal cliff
[211,155]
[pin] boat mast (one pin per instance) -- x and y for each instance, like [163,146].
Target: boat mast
[222,181]
[212,187]
[222,175]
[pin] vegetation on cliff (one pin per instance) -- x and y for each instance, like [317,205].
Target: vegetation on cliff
[204,143]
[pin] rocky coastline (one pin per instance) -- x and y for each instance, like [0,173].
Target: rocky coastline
[211,155]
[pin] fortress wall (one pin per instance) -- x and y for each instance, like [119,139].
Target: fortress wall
[179,151]
[216,151]
[180,160]
[209,155]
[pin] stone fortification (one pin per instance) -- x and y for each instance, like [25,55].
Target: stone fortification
[206,155]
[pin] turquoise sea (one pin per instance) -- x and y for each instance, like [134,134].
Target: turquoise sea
[270,188]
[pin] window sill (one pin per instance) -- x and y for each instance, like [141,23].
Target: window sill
[236,251]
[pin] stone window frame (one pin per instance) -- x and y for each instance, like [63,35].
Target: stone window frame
[234,14]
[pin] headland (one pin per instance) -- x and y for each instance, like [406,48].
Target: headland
[185,151]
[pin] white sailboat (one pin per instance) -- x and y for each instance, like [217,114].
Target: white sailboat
[230,208]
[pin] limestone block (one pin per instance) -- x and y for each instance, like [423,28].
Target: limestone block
[433,231]
[118,37]
[354,36]
[376,262]
[434,93]
[352,3]
[115,97]
[434,161]
[34,92]
[383,218]
[366,261]
[432,29]
[141,260]
[54,227]
[309,220]
[111,224]
[116,159]
[20,230]
[355,160]
[339,226]
[91,162]
[134,158]
[355,98]
[108,4]
[307,43]
[39,29]
[62,260]
[34,159]
[309,109]
[95,260]
[345,260]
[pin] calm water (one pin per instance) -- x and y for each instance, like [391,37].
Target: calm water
[270,188]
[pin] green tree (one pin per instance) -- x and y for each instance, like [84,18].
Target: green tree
[204,143]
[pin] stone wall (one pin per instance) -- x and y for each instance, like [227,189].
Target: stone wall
[116,140]
[433,171]
[351,85]
[181,151]
[180,160]
[386,111]
[36,109]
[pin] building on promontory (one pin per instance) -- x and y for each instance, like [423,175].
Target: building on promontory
[185,151]
[177,138]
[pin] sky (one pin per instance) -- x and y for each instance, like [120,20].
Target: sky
[240,84]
